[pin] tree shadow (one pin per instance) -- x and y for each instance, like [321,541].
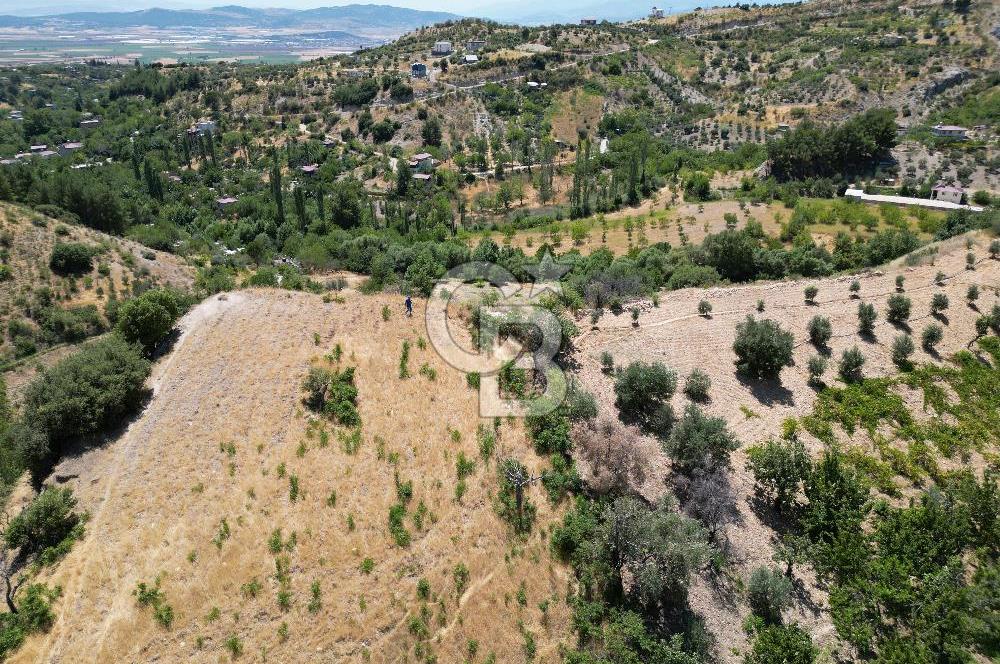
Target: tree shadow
[166,345]
[77,447]
[902,326]
[868,337]
[767,391]
[777,520]
[943,318]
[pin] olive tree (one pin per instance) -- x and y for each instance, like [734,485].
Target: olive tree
[762,348]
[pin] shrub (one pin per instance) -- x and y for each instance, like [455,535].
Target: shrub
[641,387]
[699,441]
[661,422]
[697,385]
[931,336]
[902,349]
[816,367]
[866,318]
[44,523]
[855,288]
[779,644]
[900,279]
[811,292]
[607,362]
[779,468]
[148,319]
[898,309]
[85,394]
[939,302]
[762,348]
[972,294]
[705,308]
[769,593]
[994,249]
[333,392]
[579,404]
[851,363]
[71,258]
[820,331]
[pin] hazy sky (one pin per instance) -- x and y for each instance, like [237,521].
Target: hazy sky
[515,11]
[465,7]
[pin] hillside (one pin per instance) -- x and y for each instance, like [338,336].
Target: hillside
[226,415]
[675,334]
[40,308]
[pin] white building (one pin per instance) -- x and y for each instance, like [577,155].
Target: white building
[656,12]
[471,59]
[933,204]
[441,48]
[948,193]
[949,131]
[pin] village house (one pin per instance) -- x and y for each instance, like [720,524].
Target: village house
[949,131]
[225,202]
[588,21]
[475,45]
[471,59]
[90,124]
[655,12]
[948,193]
[441,48]
[418,70]
[202,127]
[422,162]
[309,169]
[38,148]
[69,148]
[423,178]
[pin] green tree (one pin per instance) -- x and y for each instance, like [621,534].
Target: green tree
[851,364]
[779,468]
[640,388]
[698,441]
[71,258]
[769,593]
[762,348]
[148,319]
[779,644]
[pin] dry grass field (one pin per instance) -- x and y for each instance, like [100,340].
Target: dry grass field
[675,334]
[219,443]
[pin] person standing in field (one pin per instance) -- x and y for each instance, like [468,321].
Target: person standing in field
[409,306]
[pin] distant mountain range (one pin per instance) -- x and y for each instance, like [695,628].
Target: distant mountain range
[360,19]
